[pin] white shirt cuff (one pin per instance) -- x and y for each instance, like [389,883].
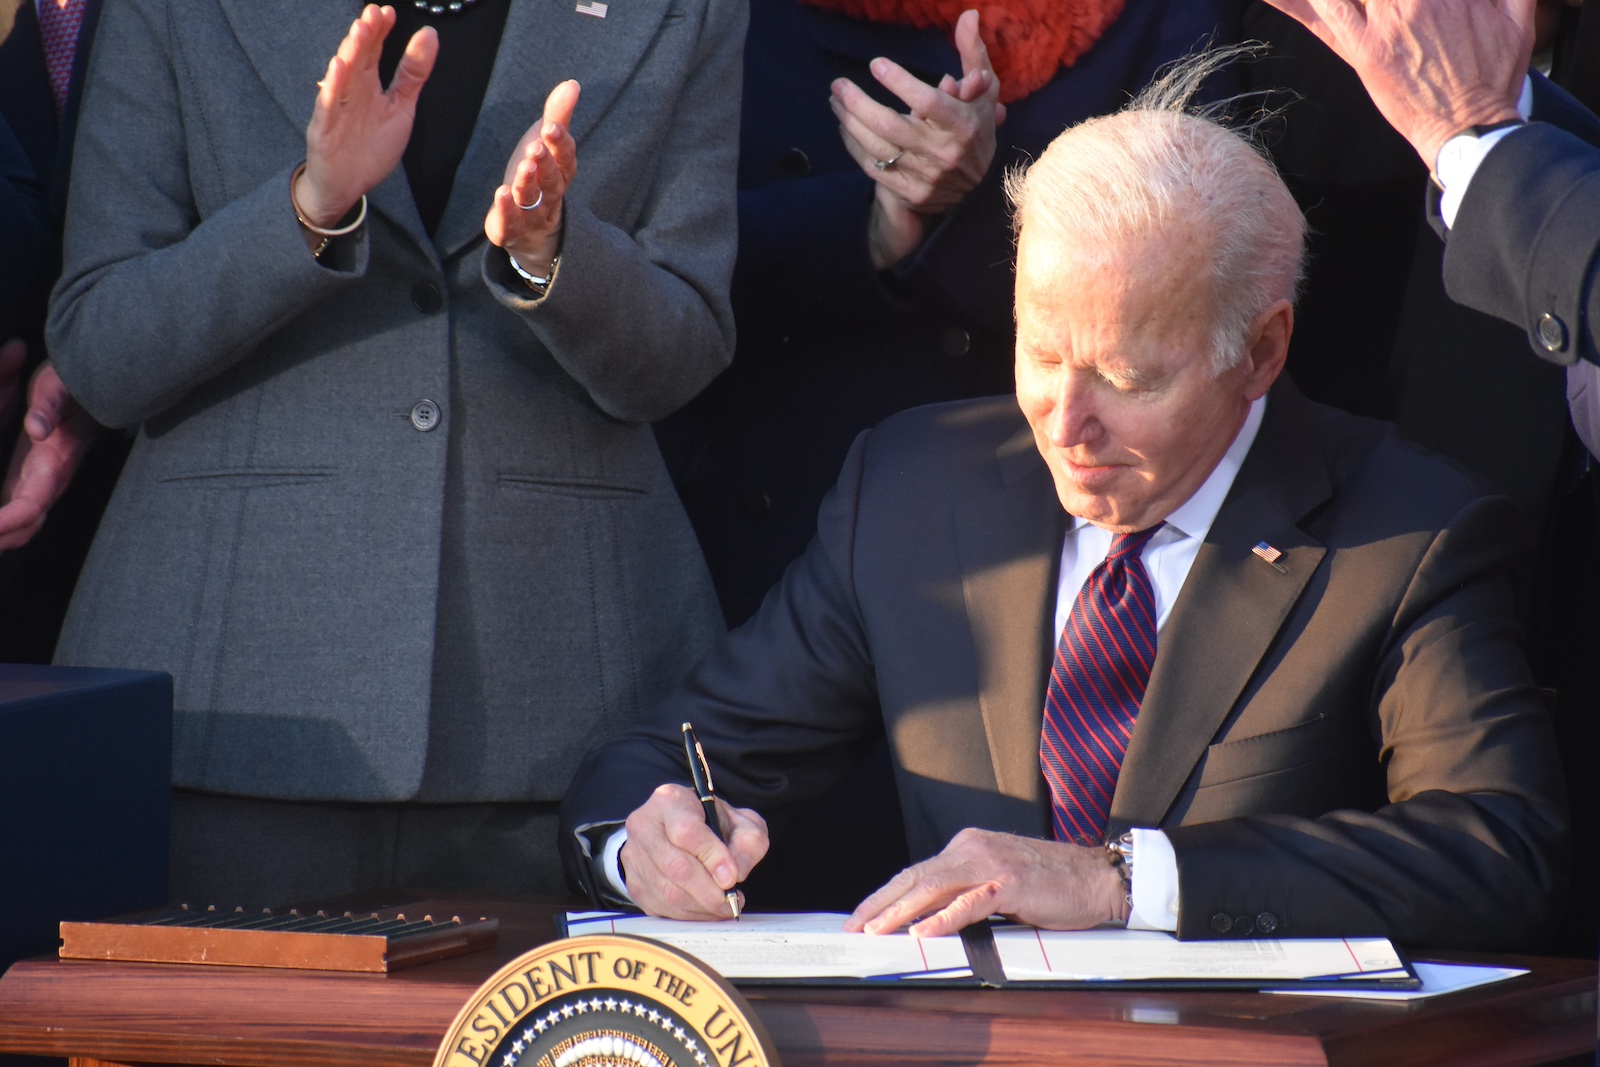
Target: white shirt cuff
[1155,883]
[1454,179]
[605,860]
[610,865]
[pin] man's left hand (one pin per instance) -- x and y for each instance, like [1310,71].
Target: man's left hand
[56,433]
[980,873]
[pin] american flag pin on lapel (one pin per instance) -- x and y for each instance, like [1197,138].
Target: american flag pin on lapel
[594,7]
[1271,555]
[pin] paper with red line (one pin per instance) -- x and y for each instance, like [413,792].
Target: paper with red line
[795,945]
[1118,955]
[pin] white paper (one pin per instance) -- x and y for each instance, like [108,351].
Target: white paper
[1437,978]
[789,945]
[1028,954]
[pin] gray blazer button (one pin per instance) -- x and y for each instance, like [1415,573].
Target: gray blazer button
[1221,923]
[425,415]
[426,298]
[954,342]
[1552,333]
[1243,925]
[1266,922]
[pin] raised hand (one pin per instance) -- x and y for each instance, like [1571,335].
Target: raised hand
[358,131]
[980,873]
[1432,67]
[675,866]
[525,216]
[928,161]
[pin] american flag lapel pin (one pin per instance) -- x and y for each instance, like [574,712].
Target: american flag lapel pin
[1271,555]
[593,7]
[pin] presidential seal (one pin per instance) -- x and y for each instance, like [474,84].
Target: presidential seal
[606,1000]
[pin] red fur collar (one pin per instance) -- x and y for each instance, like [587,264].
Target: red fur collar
[1029,40]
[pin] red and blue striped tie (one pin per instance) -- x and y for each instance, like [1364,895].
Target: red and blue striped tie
[1097,681]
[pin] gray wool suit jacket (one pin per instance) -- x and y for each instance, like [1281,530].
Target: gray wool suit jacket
[355,603]
[1349,745]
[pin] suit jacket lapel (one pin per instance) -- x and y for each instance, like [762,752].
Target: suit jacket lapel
[1229,612]
[545,42]
[1009,542]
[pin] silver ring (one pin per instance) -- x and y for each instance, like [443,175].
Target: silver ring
[885,164]
[529,207]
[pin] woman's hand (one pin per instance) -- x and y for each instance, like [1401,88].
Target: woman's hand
[525,217]
[358,132]
[926,162]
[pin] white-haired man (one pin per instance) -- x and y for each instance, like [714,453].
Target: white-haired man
[1159,641]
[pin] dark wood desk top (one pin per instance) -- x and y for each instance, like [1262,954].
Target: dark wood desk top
[246,1017]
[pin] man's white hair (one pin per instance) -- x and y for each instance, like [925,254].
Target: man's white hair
[1162,164]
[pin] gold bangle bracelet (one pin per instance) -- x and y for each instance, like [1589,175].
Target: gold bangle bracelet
[361,214]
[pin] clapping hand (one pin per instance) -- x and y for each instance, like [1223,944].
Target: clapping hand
[358,131]
[925,162]
[525,217]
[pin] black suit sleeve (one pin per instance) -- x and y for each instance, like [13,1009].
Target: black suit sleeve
[1525,239]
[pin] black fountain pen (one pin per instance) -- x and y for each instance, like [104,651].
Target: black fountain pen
[701,771]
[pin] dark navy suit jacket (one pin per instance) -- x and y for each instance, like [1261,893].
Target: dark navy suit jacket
[1349,745]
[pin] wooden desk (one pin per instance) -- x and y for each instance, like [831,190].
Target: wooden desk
[126,1013]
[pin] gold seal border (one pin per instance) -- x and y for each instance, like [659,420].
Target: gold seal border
[623,964]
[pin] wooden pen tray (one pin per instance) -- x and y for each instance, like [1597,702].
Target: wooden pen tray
[376,941]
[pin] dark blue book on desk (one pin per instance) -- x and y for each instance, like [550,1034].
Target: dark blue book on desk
[85,787]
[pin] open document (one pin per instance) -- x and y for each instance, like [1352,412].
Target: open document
[800,945]
[812,948]
[1116,955]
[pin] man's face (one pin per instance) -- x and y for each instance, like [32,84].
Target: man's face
[1114,374]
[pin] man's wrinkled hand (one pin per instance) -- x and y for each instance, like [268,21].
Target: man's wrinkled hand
[675,866]
[980,873]
[56,433]
[1432,67]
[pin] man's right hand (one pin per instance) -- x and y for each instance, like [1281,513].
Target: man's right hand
[675,866]
[1433,67]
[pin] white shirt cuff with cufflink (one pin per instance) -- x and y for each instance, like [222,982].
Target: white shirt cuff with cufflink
[1461,156]
[610,865]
